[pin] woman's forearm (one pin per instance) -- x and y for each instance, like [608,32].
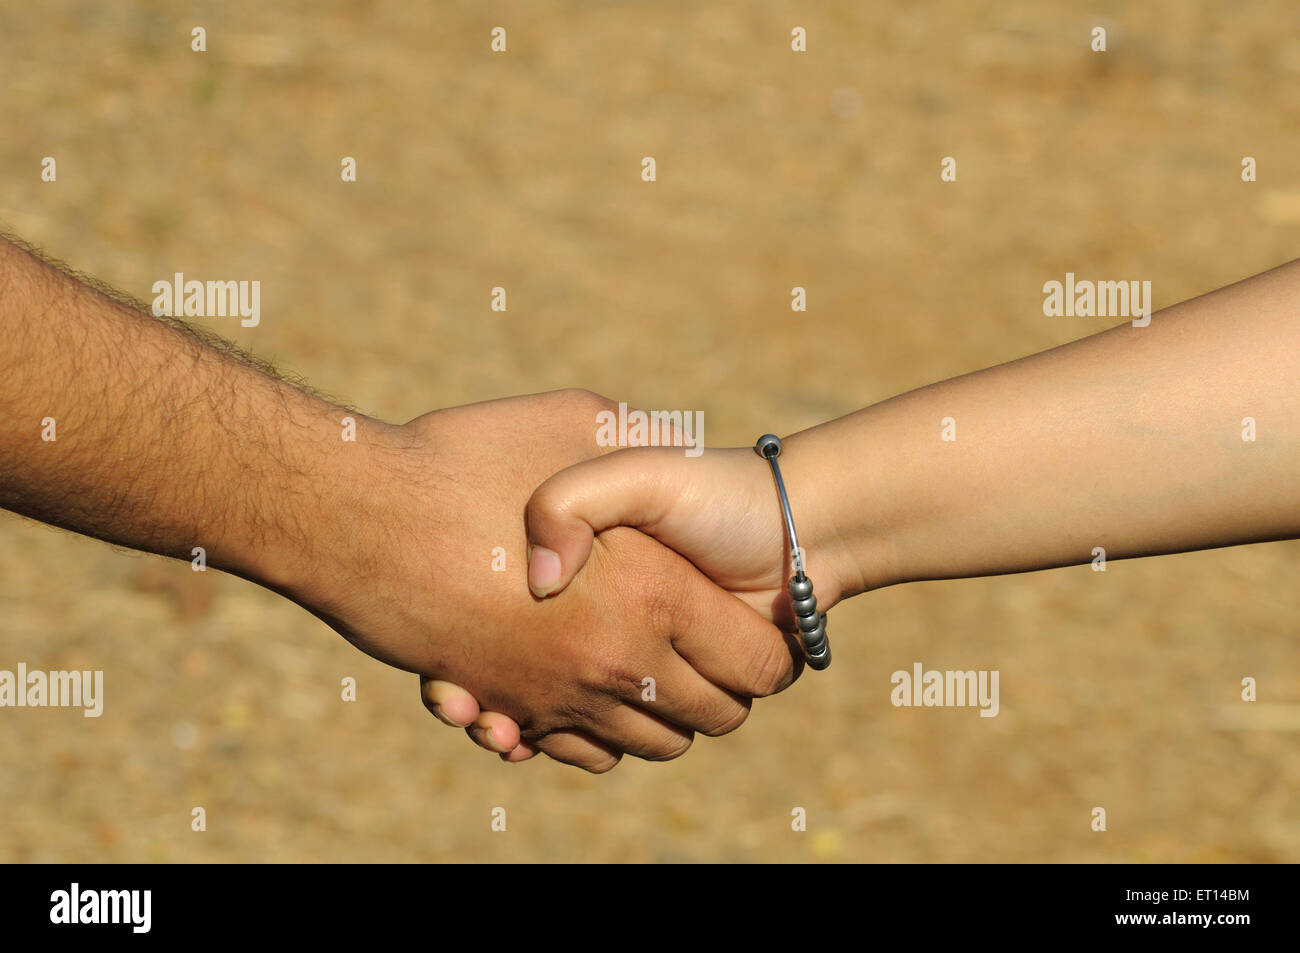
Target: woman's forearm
[1134,440]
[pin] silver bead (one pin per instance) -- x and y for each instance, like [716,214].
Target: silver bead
[815,638]
[800,588]
[809,623]
[805,606]
[768,445]
[819,659]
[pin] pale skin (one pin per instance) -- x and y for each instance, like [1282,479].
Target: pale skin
[1130,440]
[166,440]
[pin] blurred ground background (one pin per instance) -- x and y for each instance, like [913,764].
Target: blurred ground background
[775,169]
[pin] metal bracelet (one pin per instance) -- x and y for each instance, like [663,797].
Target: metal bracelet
[812,625]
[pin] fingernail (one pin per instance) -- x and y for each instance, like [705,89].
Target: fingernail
[543,570]
[487,735]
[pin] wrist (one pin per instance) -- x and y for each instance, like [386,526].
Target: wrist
[841,524]
[301,536]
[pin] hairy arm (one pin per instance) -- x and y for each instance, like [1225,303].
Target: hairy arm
[164,438]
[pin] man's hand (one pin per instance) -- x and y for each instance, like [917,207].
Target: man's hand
[636,655]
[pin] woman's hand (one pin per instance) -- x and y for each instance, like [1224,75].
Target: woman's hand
[720,510]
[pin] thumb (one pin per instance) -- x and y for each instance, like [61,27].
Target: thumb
[632,487]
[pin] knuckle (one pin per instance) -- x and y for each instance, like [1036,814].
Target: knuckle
[603,767]
[727,722]
[610,669]
[559,745]
[582,399]
[541,512]
[671,750]
[543,501]
[771,669]
[660,593]
[537,729]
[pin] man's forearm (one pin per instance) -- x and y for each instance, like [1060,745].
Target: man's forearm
[1130,440]
[130,429]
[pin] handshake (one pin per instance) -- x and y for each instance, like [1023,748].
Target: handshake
[557,595]
[554,595]
[560,596]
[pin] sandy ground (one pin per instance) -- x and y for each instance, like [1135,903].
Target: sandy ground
[774,169]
